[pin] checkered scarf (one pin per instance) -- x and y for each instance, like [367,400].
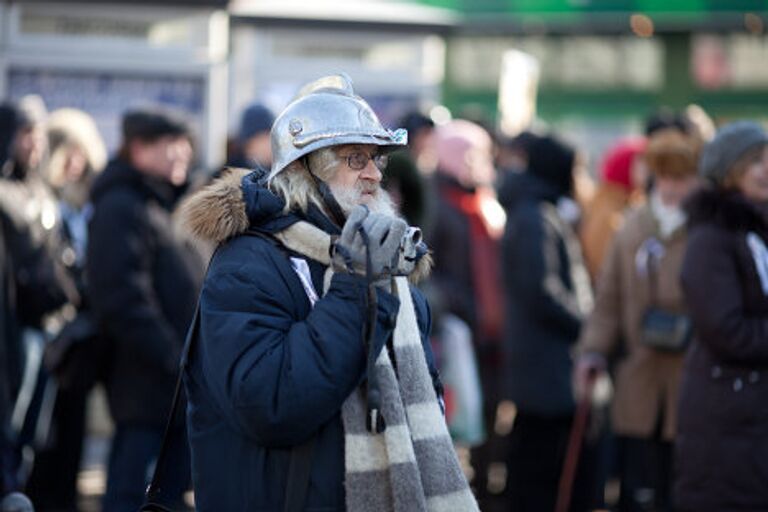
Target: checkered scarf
[411,466]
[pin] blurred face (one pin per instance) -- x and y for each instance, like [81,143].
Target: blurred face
[167,158]
[753,182]
[357,179]
[673,190]
[29,146]
[75,164]
[259,149]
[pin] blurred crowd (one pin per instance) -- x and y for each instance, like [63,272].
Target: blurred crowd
[600,333]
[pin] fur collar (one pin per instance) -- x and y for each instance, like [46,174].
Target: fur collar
[725,208]
[220,211]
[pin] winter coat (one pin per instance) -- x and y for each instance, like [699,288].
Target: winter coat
[646,380]
[30,221]
[269,371]
[722,442]
[142,283]
[547,297]
[602,218]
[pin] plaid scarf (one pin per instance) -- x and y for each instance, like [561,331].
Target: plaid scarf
[412,465]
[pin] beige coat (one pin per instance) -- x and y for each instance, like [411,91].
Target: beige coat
[646,380]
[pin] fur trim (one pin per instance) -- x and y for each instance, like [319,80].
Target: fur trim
[217,211]
[725,208]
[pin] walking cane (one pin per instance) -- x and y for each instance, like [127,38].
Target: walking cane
[575,439]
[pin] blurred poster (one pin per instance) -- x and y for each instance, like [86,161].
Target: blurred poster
[518,84]
[106,95]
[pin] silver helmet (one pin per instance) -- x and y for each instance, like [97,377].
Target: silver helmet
[324,113]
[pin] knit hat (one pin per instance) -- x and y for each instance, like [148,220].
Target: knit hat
[552,161]
[617,162]
[151,123]
[731,142]
[672,153]
[255,119]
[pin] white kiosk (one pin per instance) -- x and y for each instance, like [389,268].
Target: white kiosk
[104,57]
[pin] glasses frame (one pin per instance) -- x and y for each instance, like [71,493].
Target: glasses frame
[358,160]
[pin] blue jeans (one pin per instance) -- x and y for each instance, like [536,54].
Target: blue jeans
[132,460]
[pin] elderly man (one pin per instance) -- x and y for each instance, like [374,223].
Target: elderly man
[309,378]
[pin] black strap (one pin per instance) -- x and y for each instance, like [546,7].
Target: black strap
[154,489]
[299,468]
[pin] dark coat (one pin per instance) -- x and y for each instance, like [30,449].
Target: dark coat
[541,262]
[448,236]
[142,283]
[722,442]
[269,371]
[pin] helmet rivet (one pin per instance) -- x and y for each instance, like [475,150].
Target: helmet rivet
[295,127]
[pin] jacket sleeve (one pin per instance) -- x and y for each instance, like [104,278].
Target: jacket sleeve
[603,327]
[278,377]
[712,283]
[119,277]
[533,262]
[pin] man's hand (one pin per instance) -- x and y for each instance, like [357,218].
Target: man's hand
[383,234]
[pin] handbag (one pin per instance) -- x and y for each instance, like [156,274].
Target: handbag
[665,331]
[661,329]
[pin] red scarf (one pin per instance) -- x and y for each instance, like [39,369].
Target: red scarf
[485,264]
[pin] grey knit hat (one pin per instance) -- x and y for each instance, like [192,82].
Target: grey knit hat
[730,144]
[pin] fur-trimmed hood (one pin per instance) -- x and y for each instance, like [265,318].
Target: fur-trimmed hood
[239,200]
[726,208]
[230,205]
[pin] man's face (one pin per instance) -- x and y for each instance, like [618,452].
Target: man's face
[357,179]
[29,145]
[167,158]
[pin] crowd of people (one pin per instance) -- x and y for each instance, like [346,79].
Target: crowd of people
[377,301]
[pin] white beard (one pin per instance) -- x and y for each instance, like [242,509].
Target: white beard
[348,198]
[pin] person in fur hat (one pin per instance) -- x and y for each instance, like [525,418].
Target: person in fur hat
[638,280]
[721,449]
[309,374]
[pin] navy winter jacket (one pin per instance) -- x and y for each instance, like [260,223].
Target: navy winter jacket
[268,371]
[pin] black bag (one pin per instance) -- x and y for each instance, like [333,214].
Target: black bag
[665,331]
[661,329]
[77,356]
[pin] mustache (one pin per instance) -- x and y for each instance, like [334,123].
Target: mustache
[367,188]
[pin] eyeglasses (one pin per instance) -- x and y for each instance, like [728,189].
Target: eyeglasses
[358,160]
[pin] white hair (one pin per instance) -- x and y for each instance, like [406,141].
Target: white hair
[297,188]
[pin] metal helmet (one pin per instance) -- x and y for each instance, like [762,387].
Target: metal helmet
[327,113]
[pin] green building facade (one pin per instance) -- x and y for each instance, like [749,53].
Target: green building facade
[605,65]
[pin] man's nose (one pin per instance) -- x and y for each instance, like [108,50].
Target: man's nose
[371,172]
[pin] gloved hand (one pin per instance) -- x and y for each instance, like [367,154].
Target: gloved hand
[384,236]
